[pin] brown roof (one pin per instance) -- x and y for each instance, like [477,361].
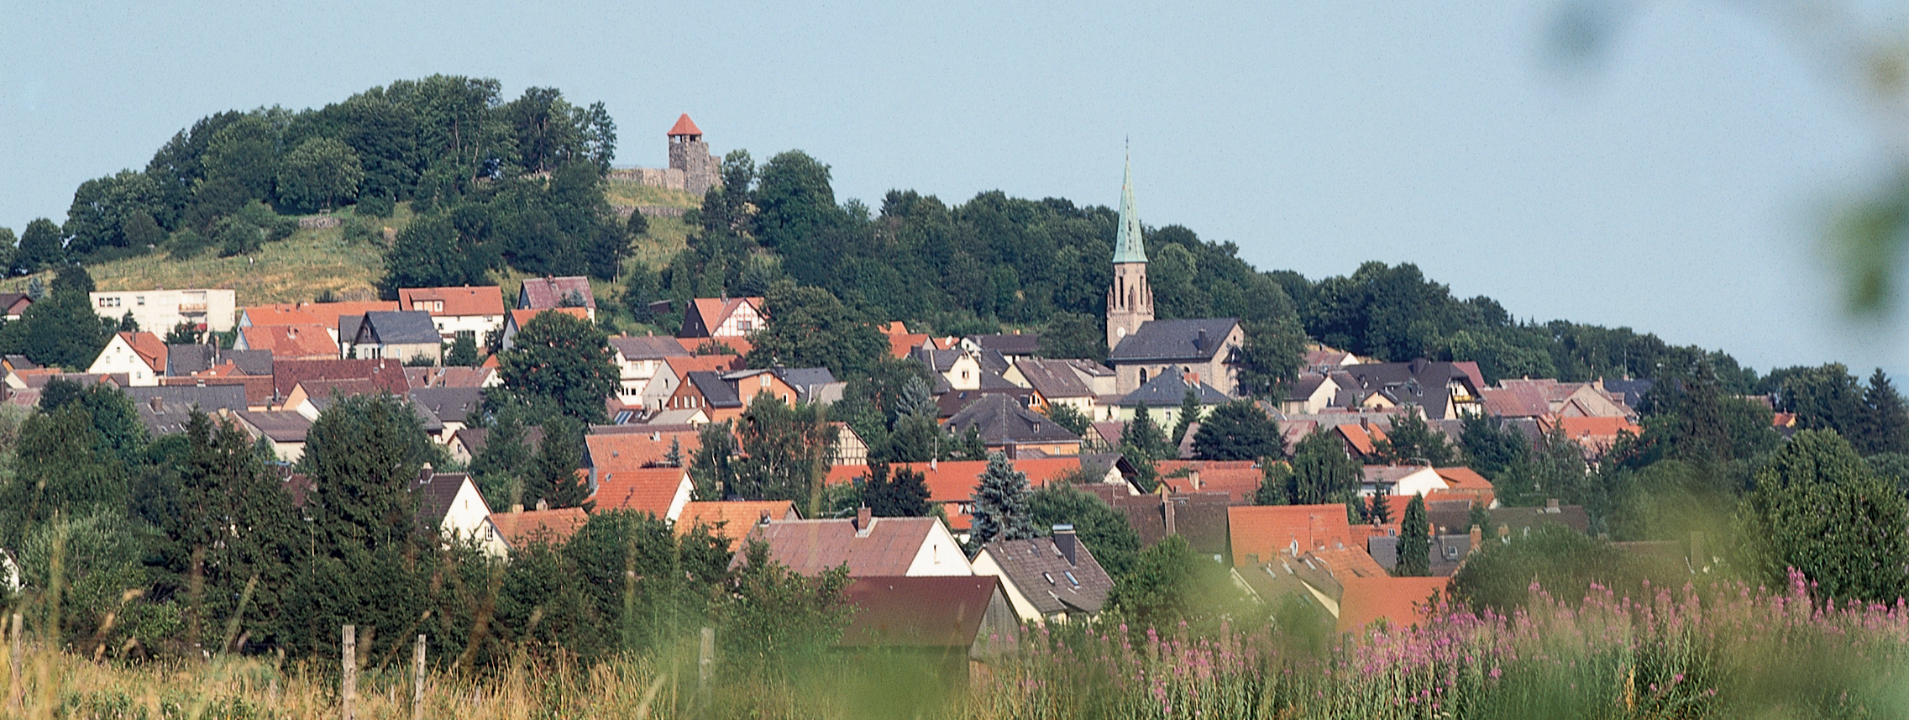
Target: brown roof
[437,493]
[149,347]
[522,528]
[259,389]
[636,450]
[646,491]
[813,546]
[1053,379]
[455,376]
[1349,561]
[918,611]
[1524,401]
[1200,518]
[732,520]
[466,300]
[1269,530]
[544,293]
[1238,479]
[1054,583]
[293,342]
[713,311]
[684,126]
[385,374]
[1401,601]
[522,317]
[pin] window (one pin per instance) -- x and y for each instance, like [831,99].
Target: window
[1049,577]
[1071,579]
[1143,376]
[1452,552]
[140,300]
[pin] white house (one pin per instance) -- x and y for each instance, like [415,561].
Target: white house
[451,503]
[467,310]
[640,358]
[141,355]
[161,310]
[1401,480]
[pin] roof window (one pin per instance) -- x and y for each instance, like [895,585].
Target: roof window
[1049,577]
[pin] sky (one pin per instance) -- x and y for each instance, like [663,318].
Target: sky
[1679,178]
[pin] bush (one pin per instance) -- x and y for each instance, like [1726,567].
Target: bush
[374,206]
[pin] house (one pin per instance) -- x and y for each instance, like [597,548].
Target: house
[13,304]
[733,520]
[450,405]
[470,442]
[660,492]
[1239,479]
[867,545]
[950,484]
[953,369]
[749,385]
[202,309]
[1054,382]
[451,504]
[1596,435]
[1258,533]
[1464,484]
[1322,359]
[1289,579]
[285,430]
[1442,390]
[658,392]
[519,319]
[723,317]
[467,310]
[404,335]
[1008,426]
[848,448]
[1541,398]
[165,410]
[724,345]
[1205,350]
[519,527]
[639,359]
[326,315]
[1445,552]
[812,385]
[552,293]
[709,392]
[1314,392]
[947,625]
[1164,396]
[1400,480]
[289,342]
[1047,579]
[1014,347]
[1199,518]
[1396,602]
[197,359]
[951,402]
[385,375]
[141,355]
[620,452]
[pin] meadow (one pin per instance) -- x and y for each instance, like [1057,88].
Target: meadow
[1725,650]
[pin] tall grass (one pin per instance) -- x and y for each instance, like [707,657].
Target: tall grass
[1727,651]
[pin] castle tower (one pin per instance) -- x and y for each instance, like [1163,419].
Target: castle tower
[1129,301]
[687,153]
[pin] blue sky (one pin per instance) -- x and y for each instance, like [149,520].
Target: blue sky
[1677,181]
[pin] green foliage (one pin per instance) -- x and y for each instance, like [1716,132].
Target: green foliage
[1067,417]
[239,531]
[712,468]
[464,352]
[433,252]
[1238,430]
[1872,418]
[63,467]
[553,476]
[1073,335]
[809,327]
[1556,471]
[1170,585]
[1818,508]
[1488,448]
[784,451]
[777,620]
[1000,509]
[183,333]
[1414,542]
[1113,542]
[564,359]
[1563,562]
[317,174]
[1321,472]
[903,494]
[1273,354]
[1144,436]
[40,248]
[1410,441]
[91,560]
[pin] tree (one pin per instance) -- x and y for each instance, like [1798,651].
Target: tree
[41,247]
[712,468]
[464,353]
[1168,585]
[1558,560]
[59,330]
[1488,447]
[63,467]
[1272,356]
[1238,431]
[238,527]
[776,620]
[1000,503]
[1409,440]
[1073,335]
[1067,417]
[1321,471]
[1144,435]
[1886,425]
[1556,471]
[1414,543]
[1189,412]
[183,333]
[809,327]
[1275,477]
[141,231]
[904,495]
[318,173]
[1817,507]
[564,359]
[785,451]
[434,252]
[1113,542]
[553,475]
[1377,509]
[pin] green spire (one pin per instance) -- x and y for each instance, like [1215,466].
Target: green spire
[1127,246]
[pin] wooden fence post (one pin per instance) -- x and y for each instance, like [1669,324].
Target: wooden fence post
[706,658]
[14,691]
[349,666]
[419,674]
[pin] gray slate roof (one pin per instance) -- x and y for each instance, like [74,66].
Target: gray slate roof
[1056,574]
[1053,379]
[718,392]
[398,327]
[192,358]
[647,347]
[450,404]
[1003,420]
[279,425]
[1421,381]
[437,493]
[164,410]
[1018,345]
[1168,389]
[1195,340]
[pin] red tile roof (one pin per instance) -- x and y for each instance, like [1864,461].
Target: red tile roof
[633,451]
[714,311]
[1269,530]
[521,317]
[701,363]
[899,344]
[683,126]
[292,342]
[556,526]
[1350,561]
[955,480]
[151,349]
[1360,438]
[740,346]
[647,491]
[1401,601]
[322,314]
[454,301]
[732,520]
[888,548]
[1239,480]
[1595,427]
[386,374]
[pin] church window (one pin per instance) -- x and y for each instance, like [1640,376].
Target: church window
[1143,376]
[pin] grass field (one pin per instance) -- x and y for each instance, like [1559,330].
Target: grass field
[313,261]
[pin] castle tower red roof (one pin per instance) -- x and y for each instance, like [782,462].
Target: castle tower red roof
[684,127]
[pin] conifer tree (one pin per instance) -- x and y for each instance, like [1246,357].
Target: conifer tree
[1000,503]
[1414,541]
[552,475]
[1377,510]
[1144,435]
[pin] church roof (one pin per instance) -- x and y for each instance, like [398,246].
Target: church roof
[1127,245]
[684,127]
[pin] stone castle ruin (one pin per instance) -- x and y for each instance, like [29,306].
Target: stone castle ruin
[690,166]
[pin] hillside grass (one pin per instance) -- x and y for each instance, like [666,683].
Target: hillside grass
[314,261]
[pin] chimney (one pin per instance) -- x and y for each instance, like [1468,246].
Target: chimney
[154,402]
[766,518]
[1167,510]
[1473,539]
[1201,341]
[863,520]
[541,505]
[1553,505]
[1063,539]
[1503,533]
[517,508]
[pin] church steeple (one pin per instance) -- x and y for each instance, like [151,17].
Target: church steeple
[1129,300]
[1127,246]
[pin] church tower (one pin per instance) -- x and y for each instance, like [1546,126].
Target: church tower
[1129,301]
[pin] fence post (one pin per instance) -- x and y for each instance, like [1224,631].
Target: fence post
[349,666]
[14,690]
[706,658]
[419,674]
